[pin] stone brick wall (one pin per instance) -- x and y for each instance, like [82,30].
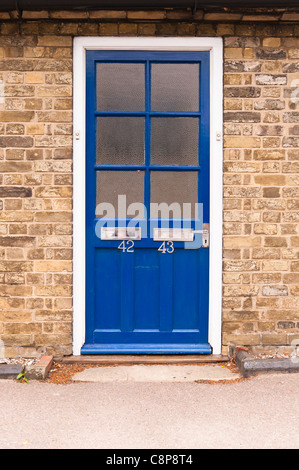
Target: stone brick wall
[261,136]
[261,242]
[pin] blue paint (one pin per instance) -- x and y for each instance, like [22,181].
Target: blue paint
[146,301]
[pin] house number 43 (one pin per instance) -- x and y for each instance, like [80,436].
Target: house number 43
[166,247]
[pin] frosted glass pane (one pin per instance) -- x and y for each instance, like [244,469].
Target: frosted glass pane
[120,140]
[111,184]
[174,187]
[120,87]
[175,87]
[174,141]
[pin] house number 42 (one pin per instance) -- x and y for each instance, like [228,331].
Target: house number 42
[126,245]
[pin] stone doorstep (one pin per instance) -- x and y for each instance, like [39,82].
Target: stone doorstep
[153,373]
[39,370]
[249,365]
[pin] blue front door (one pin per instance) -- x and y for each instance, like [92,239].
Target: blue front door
[147,200]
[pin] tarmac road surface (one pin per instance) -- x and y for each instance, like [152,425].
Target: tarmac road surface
[257,413]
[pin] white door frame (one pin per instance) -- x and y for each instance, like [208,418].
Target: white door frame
[215,46]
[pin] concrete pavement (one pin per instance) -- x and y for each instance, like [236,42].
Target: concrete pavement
[260,412]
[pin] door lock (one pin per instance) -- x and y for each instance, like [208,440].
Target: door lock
[182,235]
[205,235]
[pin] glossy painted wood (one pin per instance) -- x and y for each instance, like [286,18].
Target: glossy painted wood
[146,301]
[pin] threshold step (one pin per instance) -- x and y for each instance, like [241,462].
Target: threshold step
[125,359]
